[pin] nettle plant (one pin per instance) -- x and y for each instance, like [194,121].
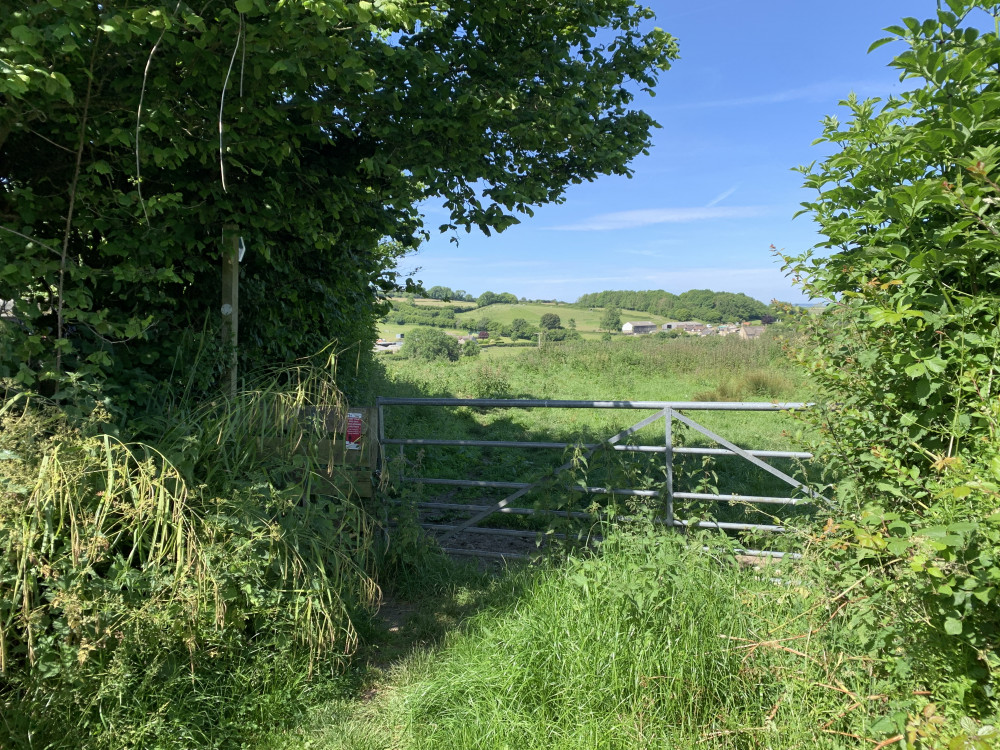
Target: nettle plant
[908,351]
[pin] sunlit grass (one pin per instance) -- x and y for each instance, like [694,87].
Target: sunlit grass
[651,643]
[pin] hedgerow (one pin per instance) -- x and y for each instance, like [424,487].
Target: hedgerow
[908,355]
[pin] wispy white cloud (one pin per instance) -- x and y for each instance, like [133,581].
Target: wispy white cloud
[680,279]
[643,253]
[447,261]
[721,197]
[646,217]
[825,92]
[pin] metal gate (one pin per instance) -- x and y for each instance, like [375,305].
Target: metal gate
[667,411]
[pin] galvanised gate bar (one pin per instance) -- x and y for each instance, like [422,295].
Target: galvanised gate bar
[668,411]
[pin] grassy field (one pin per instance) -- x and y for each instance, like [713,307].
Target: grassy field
[587,319]
[650,640]
[637,369]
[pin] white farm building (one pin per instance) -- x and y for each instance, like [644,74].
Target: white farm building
[641,326]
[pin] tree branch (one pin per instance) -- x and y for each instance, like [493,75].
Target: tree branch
[81,143]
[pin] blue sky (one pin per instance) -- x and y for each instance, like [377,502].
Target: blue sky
[738,111]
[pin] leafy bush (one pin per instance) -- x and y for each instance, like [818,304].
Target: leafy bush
[430,344]
[562,334]
[520,328]
[929,581]
[550,321]
[489,381]
[907,353]
[471,348]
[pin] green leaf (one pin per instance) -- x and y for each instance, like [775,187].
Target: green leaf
[952,626]
[26,35]
[880,42]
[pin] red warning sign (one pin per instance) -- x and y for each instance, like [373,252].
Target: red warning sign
[355,424]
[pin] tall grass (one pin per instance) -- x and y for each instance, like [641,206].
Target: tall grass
[636,368]
[651,643]
[143,583]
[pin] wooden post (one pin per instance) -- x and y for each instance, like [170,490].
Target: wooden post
[231,297]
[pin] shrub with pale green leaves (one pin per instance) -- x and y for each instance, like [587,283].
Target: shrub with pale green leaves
[908,353]
[489,380]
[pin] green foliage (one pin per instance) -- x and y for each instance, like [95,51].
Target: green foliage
[931,582]
[430,344]
[440,292]
[611,320]
[492,298]
[698,304]
[907,354]
[413,314]
[550,321]
[164,593]
[471,348]
[561,334]
[520,328]
[489,380]
[132,136]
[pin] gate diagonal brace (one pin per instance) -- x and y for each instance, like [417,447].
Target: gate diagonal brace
[525,490]
[749,457]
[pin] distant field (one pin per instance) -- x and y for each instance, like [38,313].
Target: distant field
[428,302]
[587,319]
[390,329]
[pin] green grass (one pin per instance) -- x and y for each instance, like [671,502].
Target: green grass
[652,643]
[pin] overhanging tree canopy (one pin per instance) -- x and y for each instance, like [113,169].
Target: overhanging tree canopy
[131,133]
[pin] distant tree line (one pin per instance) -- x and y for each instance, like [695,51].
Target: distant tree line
[521,329]
[460,295]
[697,304]
[447,294]
[492,298]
